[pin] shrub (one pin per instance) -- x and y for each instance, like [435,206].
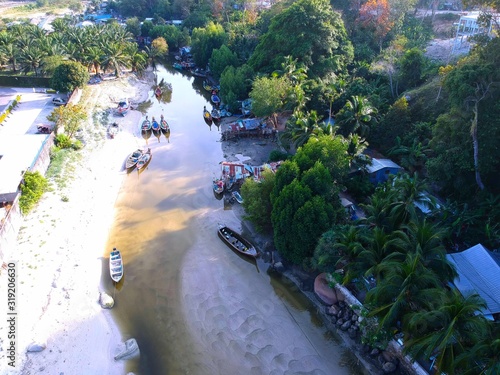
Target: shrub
[63,141]
[77,145]
[32,189]
[277,155]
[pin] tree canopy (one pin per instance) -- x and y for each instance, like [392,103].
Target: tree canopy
[68,76]
[309,31]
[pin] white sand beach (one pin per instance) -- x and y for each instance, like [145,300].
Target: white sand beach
[61,253]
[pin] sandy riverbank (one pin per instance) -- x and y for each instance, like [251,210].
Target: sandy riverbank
[61,255]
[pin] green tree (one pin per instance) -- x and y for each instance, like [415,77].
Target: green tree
[159,47]
[406,287]
[69,118]
[309,31]
[299,217]
[449,330]
[133,26]
[257,200]
[115,57]
[236,83]
[221,58]
[205,40]
[412,65]
[32,188]
[357,116]
[68,76]
[270,96]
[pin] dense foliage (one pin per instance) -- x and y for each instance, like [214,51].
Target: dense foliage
[68,76]
[32,189]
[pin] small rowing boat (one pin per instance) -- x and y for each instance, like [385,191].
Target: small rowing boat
[236,241]
[115,265]
[144,159]
[133,158]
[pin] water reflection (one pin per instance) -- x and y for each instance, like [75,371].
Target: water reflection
[194,305]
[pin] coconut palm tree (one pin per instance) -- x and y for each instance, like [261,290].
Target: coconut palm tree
[377,210]
[447,331]
[357,116]
[412,157]
[411,193]
[379,249]
[406,287]
[484,357]
[427,239]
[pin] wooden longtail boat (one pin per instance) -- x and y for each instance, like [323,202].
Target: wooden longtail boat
[115,265]
[236,242]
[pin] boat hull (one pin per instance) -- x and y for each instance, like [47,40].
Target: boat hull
[115,265]
[236,242]
[133,158]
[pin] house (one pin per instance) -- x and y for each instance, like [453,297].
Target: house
[380,169]
[479,272]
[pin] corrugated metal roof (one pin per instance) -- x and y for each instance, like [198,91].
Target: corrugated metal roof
[378,164]
[478,272]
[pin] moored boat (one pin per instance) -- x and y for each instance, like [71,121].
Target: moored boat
[237,196]
[164,125]
[215,98]
[158,91]
[218,185]
[133,158]
[123,107]
[155,127]
[236,241]
[115,265]
[206,115]
[146,124]
[215,115]
[144,159]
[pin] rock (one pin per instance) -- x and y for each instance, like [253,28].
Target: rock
[332,310]
[106,301]
[333,319]
[345,326]
[131,350]
[374,352]
[36,347]
[354,318]
[352,333]
[388,367]
[278,266]
[389,357]
[323,291]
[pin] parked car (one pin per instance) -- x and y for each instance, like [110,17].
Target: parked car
[59,101]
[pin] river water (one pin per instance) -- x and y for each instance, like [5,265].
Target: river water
[193,305]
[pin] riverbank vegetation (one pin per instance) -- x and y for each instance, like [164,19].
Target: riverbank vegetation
[356,80]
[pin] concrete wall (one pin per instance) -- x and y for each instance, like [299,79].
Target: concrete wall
[13,221]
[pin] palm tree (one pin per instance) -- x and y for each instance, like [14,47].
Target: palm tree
[379,249]
[484,357]
[426,238]
[411,193]
[357,145]
[31,59]
[11,54]
[358,115]
[95,57]
[407,286]
[60,25]
[138,59]
[348,247]
[411,157]
[301,126]
[448,331]
[378,209]
[115,58]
